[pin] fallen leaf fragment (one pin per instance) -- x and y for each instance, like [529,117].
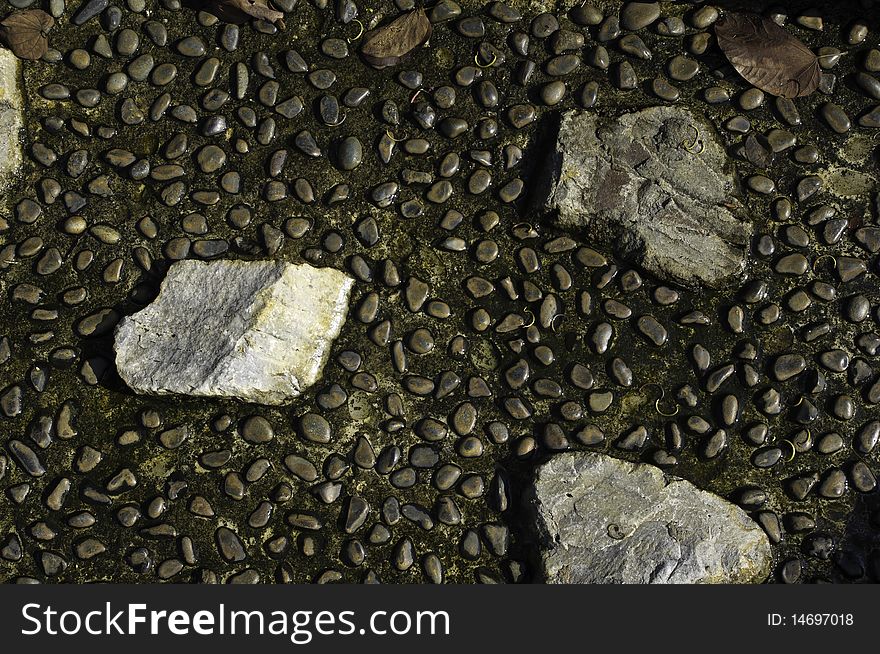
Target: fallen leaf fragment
[239,11]
[767,55]
[387,45]
[26,33]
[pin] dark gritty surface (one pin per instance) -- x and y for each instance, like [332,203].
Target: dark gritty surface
[193,490]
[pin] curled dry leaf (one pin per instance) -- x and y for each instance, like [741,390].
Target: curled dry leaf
[385,46]
[240,11]
[26,33]
[767,56]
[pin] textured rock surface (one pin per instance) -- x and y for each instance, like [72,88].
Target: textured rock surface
[653,183]
[10,117]
[260,331]
[603,520]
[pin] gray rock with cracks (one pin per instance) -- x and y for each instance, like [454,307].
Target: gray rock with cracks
[260,331]
[657,185]
[604,520]
[11,106]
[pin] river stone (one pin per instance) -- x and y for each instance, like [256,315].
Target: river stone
[10,117]
[604,520]
[656,184]
[259,331]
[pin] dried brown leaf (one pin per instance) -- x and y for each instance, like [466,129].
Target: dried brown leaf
[386,45]
[767,56]
[26,33]
[240,11]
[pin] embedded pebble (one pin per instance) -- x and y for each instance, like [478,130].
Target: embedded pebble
[637,15]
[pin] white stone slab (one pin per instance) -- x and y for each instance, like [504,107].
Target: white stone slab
[260,331]
[601,520]
[11,105]
[655,184]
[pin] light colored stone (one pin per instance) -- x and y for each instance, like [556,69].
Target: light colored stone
[10,117]
[847,182]
[259,331]
[656,185]
[604,520]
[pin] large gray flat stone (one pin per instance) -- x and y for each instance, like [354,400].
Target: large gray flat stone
[603,520]
[10,117]
[260,331]
[654,184]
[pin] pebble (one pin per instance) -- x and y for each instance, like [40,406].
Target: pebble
[751,99]
[350,153]
[561,65]
[833,485]
[792,264]
[585,14]
[552,93]
[638,15]
[471,27]
[257,430]
[543,25]
[835,117]
[664,90]
[682,68]
[632,45]
[788,366]
[191,46]
[315,428]
[624,76]
[88,10]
